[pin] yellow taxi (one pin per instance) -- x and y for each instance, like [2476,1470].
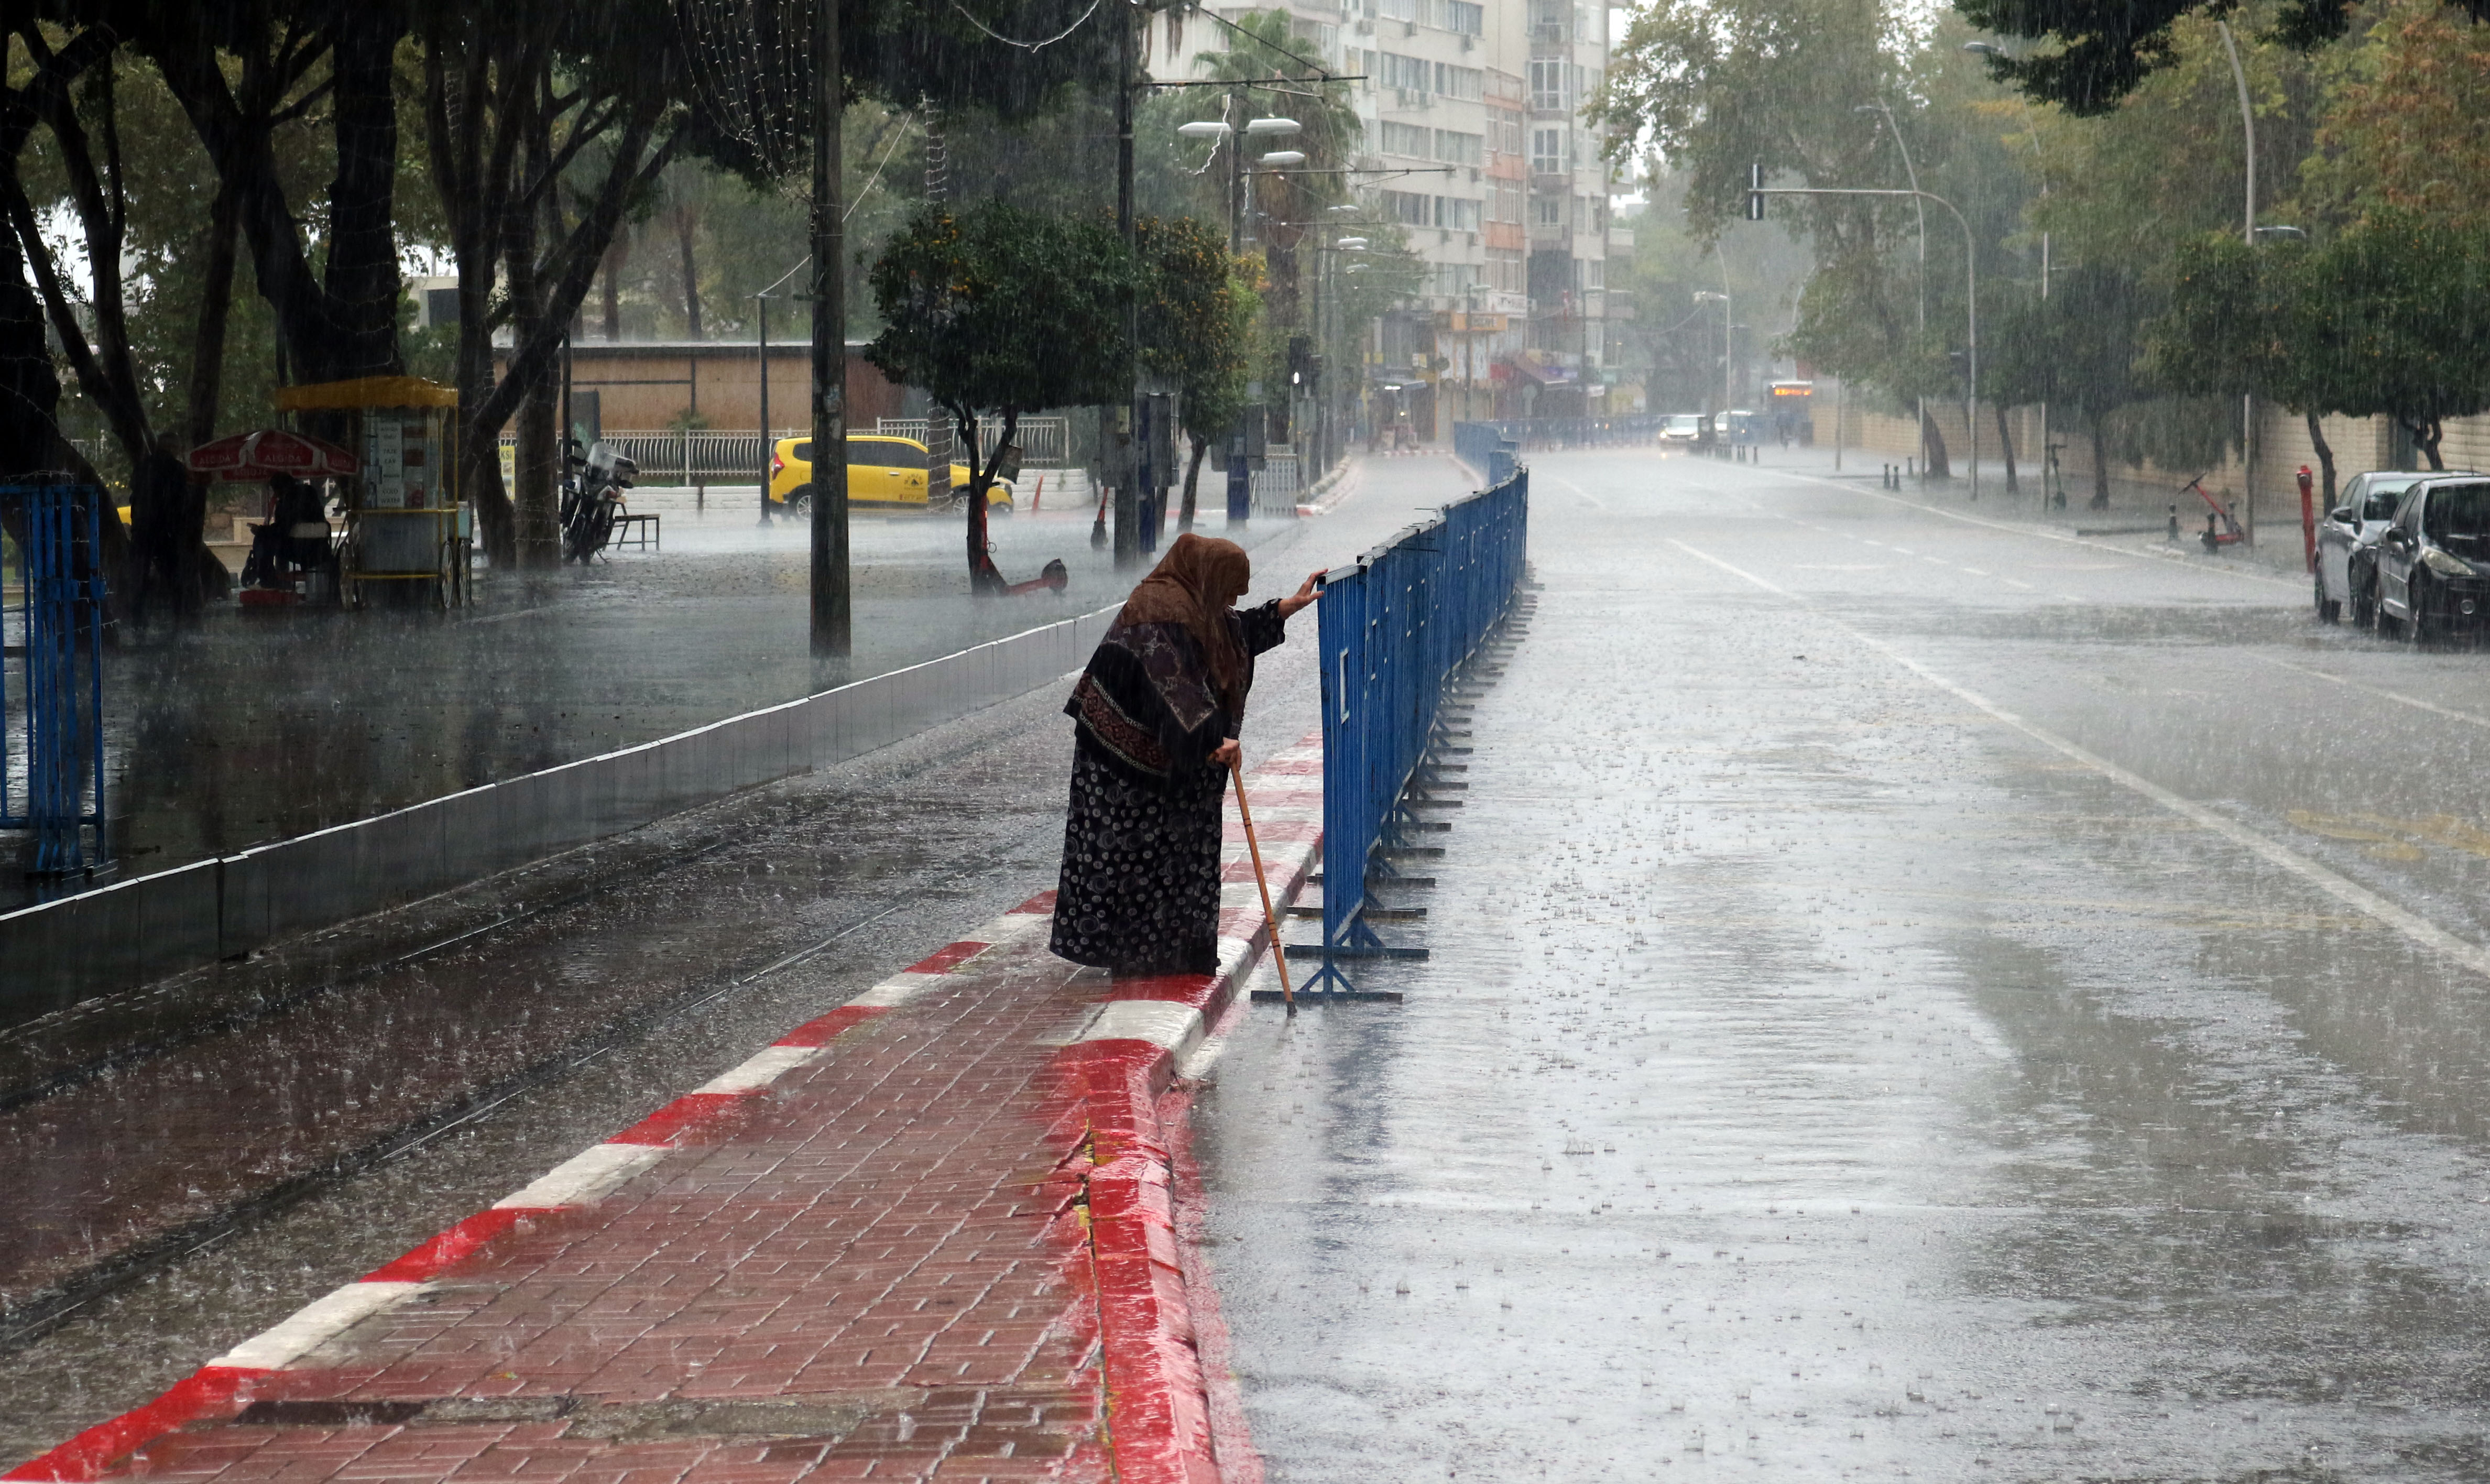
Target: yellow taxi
[883,472]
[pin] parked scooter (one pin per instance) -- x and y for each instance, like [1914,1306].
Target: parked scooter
[591,498]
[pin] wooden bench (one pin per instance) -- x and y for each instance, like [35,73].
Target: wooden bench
[639,530]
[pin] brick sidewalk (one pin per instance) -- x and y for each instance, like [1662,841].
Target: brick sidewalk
[929,1235]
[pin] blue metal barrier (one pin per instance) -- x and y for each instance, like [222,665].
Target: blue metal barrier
[60,624]
[1472,441]
[1393,626]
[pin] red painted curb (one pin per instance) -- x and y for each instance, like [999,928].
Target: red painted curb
[210,1391]
[1160,1428]
[444,1249]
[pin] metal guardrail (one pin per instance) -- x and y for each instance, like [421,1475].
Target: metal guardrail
[1393,626]
[1045,443]
[59,726]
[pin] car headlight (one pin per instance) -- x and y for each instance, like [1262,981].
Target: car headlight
[2446,564]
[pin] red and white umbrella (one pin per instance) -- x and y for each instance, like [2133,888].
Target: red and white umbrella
[253,457]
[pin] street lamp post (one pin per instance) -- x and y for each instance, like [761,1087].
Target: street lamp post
[1971,277]
[2248,233]
[1912,172]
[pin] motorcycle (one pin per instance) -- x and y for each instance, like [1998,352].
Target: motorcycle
[592,497]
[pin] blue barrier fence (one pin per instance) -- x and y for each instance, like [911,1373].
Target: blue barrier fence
[57,725]
[1394,625]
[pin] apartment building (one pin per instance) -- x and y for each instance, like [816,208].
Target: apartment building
[1474,143]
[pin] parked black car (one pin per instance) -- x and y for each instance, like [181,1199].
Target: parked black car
[2347,543]
[2434,562]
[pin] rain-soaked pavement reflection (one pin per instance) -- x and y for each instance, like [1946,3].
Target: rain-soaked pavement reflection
[1816,1077]
[262,725]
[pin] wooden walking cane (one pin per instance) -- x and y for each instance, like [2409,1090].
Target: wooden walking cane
[1278,949]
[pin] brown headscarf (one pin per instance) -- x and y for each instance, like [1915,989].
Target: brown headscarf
[1194,584]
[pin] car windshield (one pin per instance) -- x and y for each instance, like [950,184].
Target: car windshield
[2459,514]
[1685,422]
[2382,498]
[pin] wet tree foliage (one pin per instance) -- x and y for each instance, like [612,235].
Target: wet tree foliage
[999,310]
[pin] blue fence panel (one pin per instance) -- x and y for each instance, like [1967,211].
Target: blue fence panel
[60,727]
[1392,627]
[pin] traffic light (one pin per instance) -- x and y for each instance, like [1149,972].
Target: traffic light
[1301,360]
[1756,192]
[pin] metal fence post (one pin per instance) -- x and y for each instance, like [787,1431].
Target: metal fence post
[1393,626]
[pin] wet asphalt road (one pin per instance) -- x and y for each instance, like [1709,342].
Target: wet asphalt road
[1910,998]
[452,1051]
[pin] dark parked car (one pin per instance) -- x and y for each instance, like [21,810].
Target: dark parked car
[2347,543]
[2434,561]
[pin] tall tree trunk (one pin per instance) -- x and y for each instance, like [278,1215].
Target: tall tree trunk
[685,228]
[2101,465]
[216,306]
[362,286]
[1933,461]
[616,256]
[1193,477]
[537,509]
[2006,443]
[2325,454]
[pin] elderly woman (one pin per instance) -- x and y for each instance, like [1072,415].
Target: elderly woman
[1159,710]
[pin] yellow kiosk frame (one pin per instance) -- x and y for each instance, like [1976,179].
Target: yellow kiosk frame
[404,519]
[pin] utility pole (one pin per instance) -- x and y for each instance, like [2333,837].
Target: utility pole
[763,299]
[2248,228]
[832,618]
[1116,443]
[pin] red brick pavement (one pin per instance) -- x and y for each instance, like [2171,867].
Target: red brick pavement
[928,1235]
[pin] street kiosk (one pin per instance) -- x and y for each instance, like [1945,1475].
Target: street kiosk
[406,528]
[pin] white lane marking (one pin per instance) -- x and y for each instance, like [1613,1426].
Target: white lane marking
[2133,554]
[584,1176]
[314,1324]
[2013,583]
[1555,478]
[764,1067]
[2432,707]
[1174,1028]
[2351,894]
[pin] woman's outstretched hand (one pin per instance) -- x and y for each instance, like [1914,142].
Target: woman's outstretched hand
[1305,596]
[1228,754]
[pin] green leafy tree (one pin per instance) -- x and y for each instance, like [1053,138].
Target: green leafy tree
[2401,310]
[2099,52]
[1000,310]
[1197,321]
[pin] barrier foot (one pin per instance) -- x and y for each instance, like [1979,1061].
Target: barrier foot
[1318,951]
[1317,996]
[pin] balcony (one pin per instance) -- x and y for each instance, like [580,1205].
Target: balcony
[1559,235]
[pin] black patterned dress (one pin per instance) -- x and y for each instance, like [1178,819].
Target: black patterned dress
[1140,889]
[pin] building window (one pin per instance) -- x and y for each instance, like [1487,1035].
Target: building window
[1546,84]
[1397,10]
[1503,202]
[1454,214]
[1467,83]
[1547,151]
[1504,130]
[1408,208]
[1545,211]
[1407,140]
[1594,271]
[1395,70]
[1504,271]
[1454,148]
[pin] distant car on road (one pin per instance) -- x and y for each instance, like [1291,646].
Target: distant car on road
[2433,562]
[2347,543]
[883,470]
[1683,427]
